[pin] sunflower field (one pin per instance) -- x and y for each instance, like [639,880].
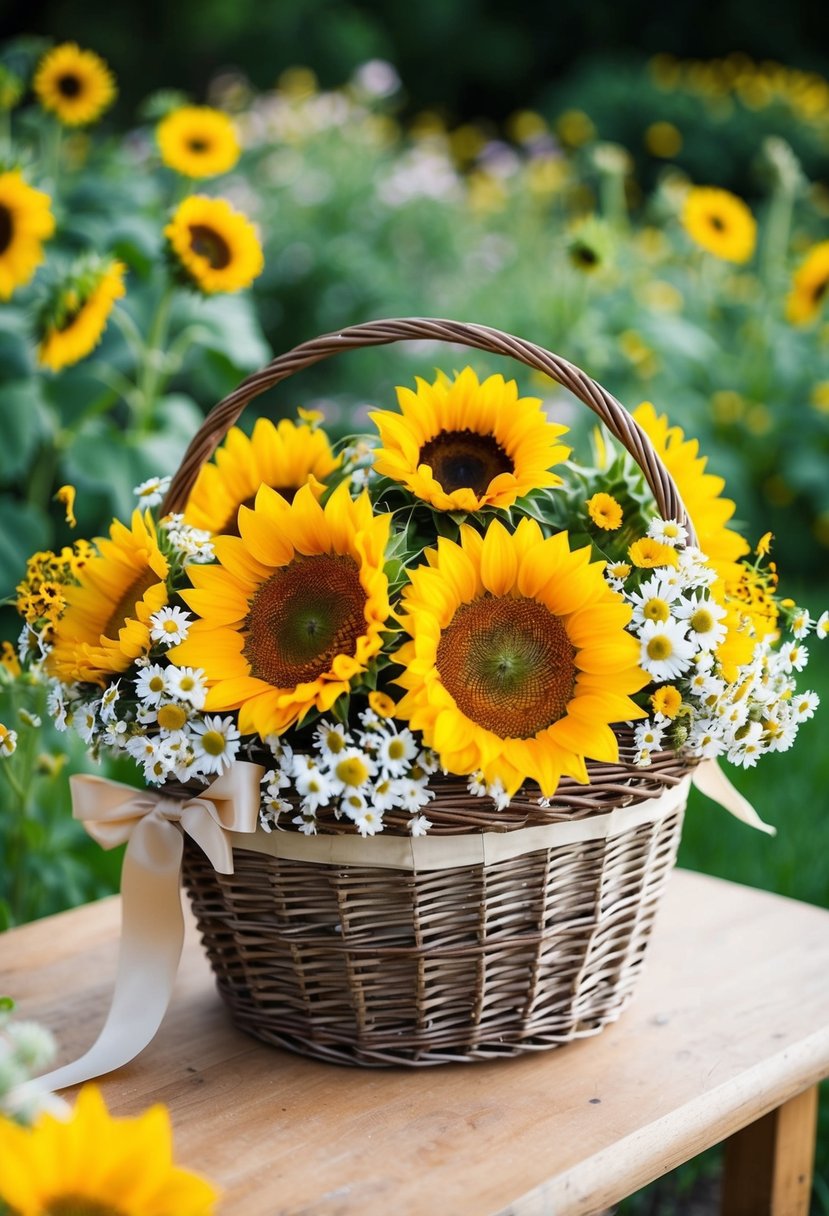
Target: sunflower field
[146,270]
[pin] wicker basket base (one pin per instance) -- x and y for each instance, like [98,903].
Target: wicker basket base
[360,965]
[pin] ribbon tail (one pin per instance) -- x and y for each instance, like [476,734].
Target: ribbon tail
[152,936]
[711,780]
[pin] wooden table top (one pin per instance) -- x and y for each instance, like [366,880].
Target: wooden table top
[730,1020]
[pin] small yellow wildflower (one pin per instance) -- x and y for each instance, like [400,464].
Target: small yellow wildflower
[666,701]
[648,553]
[382,704]
[9,659]
[605,512]
[764,544]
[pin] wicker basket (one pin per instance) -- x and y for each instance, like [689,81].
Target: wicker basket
[367,964]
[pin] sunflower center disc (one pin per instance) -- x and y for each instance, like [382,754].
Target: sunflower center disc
[69,85]
[126,605]
[716,223]
[197,145]
[303,617]
[819,291]
[210,244]
[508,664]
[6,228]
[465,460]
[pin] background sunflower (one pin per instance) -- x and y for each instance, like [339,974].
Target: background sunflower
[198,141]
[26,221]
[74,84]
[216,246]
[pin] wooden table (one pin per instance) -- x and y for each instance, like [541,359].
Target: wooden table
[728,1037]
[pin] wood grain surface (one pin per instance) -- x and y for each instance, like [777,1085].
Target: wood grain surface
[729,1023]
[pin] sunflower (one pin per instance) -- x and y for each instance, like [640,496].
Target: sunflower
[96,1163]
[809,286]
[80,314]
[216,246]
[295,608]
[461,445]
[518,658]
[720,222]
[105,625]
[284,457]
[198,141]
[76,85]
[25,223]
[701,493]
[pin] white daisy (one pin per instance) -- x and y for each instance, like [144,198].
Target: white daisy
[8,741]
[414,795]
[330,738]
[395,751]
[385,793]
[153,683]
[351,771]
[314,787]
[648,736]
[476,784]
[822,625]
[170,626]
[419,825]
[704,619]
[151,492]
[498,795]
[306,823]
[84,722]
[109,700]
[187,684]
[793,657]
[803,705]
[115,734]
[668,531]
[215,742]
[705,739]
[653,601]
[801,622]
[370,822]
[665,650]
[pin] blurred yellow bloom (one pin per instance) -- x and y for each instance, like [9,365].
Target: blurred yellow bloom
[198,141]
[820,396]
[66,496]
[9,659]
[666,701]
[77,86]
[764,544]
[663,139]
[84,314]
[215,245]
[720,223]
[809,286]
[298,82]
[648,553]
[575,128]
[382,704]
[25,223]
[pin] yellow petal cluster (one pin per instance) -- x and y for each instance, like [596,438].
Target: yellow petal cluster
[294,610]
[720,223]
[74,84]
[104,627]
[63,345]
[215,245]
[95,1162]
[809,286]
[198,141]
[25,223]
[284,457]
[461,445]
[516,629]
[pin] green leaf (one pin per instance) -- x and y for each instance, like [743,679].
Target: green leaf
[23,530]
[22,416]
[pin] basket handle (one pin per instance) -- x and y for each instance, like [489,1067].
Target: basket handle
[380,333]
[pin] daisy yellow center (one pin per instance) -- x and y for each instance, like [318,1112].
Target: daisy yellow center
[352,771]
[656,610]
[396,750]
[125,608]
[508,664]
[211,245]
[79,1205]
[6,228]
[334,742]
[156,684]
[659,647]
[69,85]
[213,742]
[465,460]
[305,615]
[171,717]
[702,621]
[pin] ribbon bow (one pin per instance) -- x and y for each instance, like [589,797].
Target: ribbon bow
[152,925]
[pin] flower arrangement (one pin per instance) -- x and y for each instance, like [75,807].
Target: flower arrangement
[451,595]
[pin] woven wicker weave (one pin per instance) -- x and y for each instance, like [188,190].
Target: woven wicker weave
[365,965]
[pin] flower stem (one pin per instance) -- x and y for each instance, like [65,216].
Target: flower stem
[152,373]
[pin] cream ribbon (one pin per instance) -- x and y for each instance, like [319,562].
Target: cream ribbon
[152,925]
[225,816]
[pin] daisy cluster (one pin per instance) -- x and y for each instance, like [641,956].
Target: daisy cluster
[680,626]
[156,716]
[359,775]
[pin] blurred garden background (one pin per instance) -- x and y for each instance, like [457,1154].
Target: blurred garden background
[531,168]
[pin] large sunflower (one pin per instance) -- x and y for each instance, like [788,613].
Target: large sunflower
[198,141]
[461,445]
[94,1164]
[81,315]
[25,223]
[701,492]
[283,457]
[519,659]
[810,286]
[105,625]
[720,222]
[295,608]
[75,85]
[215,245]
